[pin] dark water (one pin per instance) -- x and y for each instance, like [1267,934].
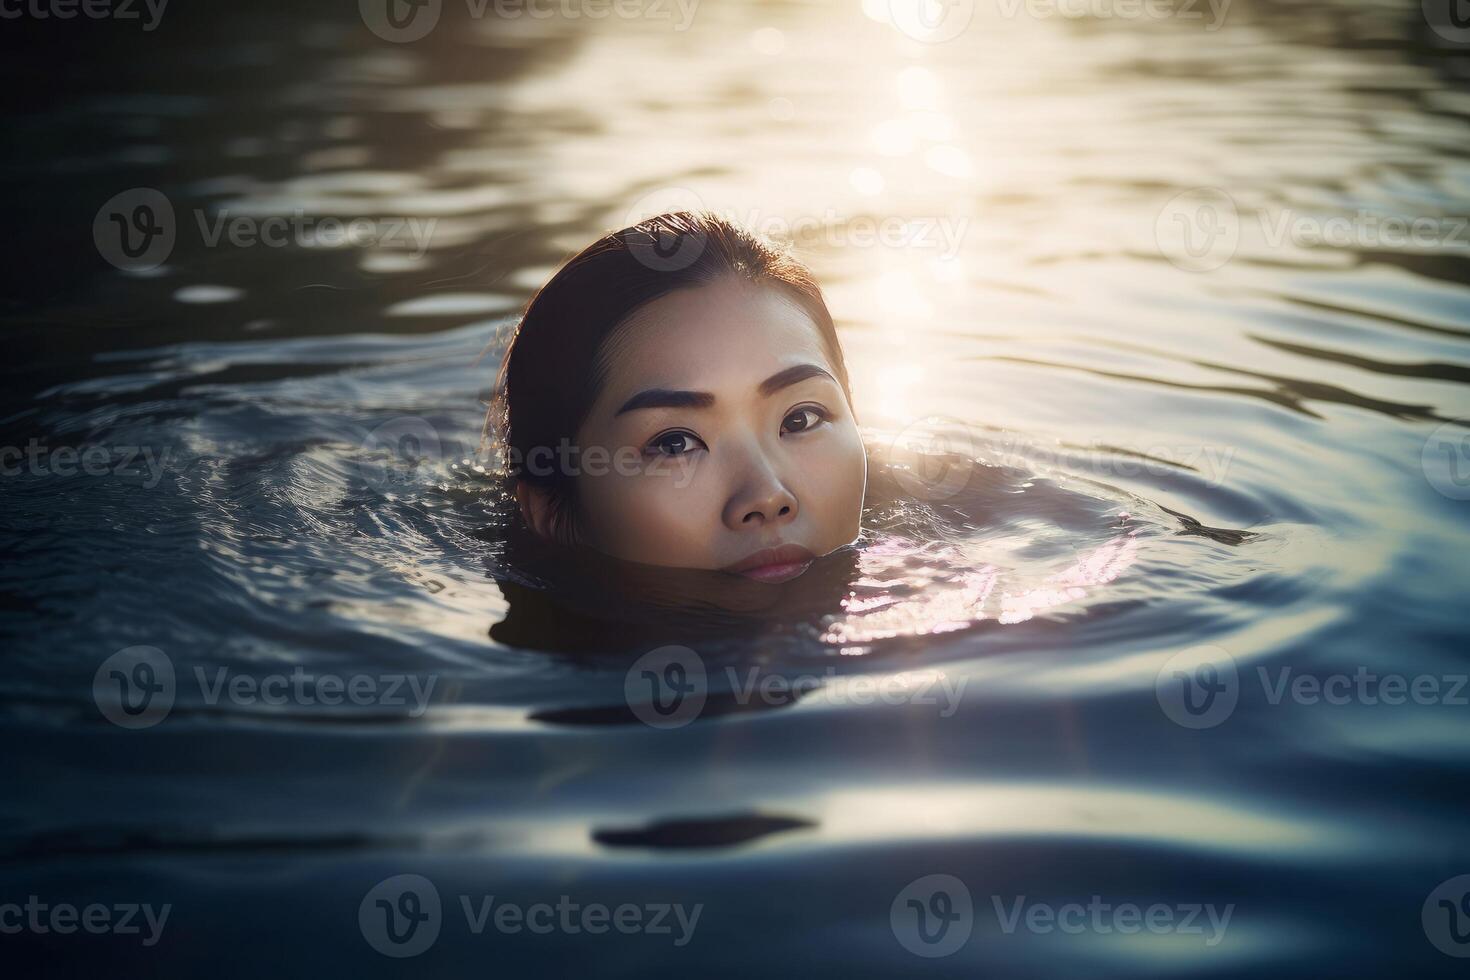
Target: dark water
[1148,468]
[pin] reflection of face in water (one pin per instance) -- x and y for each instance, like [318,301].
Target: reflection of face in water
[589,602]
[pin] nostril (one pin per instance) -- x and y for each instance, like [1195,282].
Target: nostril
[783,512]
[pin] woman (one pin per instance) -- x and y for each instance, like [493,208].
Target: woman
[676,396]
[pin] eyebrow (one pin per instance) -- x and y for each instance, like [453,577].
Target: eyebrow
[672,398]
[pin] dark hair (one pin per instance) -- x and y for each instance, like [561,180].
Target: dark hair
[553,368]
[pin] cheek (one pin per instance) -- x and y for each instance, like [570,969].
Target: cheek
[832,477]
[658,519]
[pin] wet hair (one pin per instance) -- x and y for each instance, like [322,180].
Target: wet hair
[555,364]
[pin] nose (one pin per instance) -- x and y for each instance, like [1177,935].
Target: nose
[760,499]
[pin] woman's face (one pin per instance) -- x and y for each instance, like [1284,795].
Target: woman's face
[731,444]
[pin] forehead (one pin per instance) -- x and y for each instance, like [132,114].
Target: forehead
[723,335]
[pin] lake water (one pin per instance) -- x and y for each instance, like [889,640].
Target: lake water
[1152,651]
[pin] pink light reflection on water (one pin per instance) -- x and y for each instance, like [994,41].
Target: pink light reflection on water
[909,589]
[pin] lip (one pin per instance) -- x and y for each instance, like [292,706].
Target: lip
[774,565]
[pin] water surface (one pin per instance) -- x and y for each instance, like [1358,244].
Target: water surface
[1124,409]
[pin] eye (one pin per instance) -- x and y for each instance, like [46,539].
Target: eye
[803,418]
[675,442]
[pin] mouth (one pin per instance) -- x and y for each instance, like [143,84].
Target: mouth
[774,564]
